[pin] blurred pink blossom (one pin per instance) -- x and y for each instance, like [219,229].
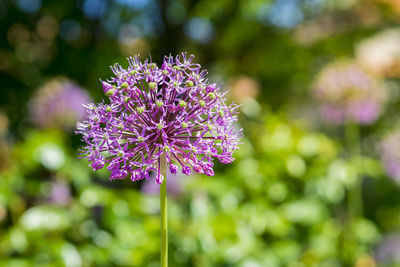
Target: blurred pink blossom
[346,93]
[58,103]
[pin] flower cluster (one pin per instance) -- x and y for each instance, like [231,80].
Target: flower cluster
[390,156]
[158,117]
[348,94]
[58,103]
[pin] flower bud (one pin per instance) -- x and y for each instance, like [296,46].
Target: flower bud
[173,168]
[97,164]
[106,86]
[186,170]
[110,92]
[211,95]
[124,85]
[209,171]
[140,110]
[182,104]
[198,169]
[152,85]
[159,103]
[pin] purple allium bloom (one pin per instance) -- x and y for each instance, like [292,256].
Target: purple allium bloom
[58,103]
[348,94]
[157,118]
[390,154]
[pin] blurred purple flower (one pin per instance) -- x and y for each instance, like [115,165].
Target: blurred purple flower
[60,193]
[159,116]
[390,154]
[348,94]
[388,251]
[58,103]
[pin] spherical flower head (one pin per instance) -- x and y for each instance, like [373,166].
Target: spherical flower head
[58,103]
[158,118]
[347,93]
[390,156]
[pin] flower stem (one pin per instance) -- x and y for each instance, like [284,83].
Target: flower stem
[164,221]
[355,198]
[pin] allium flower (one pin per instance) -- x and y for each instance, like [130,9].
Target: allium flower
[58,104]
[348,94]
[390,154]
[157,118]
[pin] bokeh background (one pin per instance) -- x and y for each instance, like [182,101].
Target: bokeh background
[315,182]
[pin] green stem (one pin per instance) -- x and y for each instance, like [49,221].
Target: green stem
[164,221]
[355,198]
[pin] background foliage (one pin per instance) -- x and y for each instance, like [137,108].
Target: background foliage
[285,201]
